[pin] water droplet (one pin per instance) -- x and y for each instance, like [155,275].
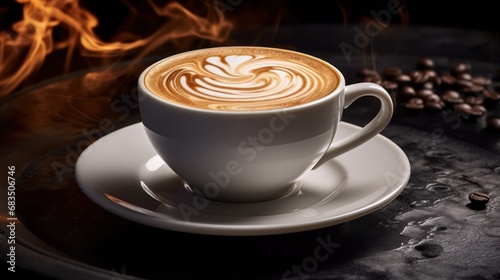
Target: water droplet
[438,187]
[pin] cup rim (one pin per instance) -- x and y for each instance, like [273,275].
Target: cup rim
[339,88]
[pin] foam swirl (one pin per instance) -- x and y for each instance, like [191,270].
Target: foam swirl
[247,81]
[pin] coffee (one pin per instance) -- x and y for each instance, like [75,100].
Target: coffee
[241,79]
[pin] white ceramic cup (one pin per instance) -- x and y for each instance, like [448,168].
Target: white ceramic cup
[259,155]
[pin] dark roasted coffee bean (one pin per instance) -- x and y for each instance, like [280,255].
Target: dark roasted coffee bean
[464,76]
[365,72]
[479,198]
[437,81]
[407,92]
[462,109]
[493,125]
[425,63]
[434,106]
[391,73]
[403,79]
[473,100]
[473,89]
[417,77]
[432,98]
[481,81]
[448,79]
[423,93]
[415,103]
[389,85]
[452,97]
[428,85]
[430,74]
[372,79]
[491,99]
[476,112]
[461,83]
[460,68]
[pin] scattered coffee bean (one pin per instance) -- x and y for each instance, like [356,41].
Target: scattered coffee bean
[434,106]
[491,99]
[460,68]
[403,79]
[407,92]
[479,198]
[365,72]
[452,97]
[425,63]
[472,100]
[481,81]
[415,103]
[464,76]
[389,85]
[391,73]
[463,83]
[448,80]
[475,112]
[473,89]
[424,93]
[457,89]
[432,98]
[428,85]
[493,125]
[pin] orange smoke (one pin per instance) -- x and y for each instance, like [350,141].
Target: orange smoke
[25,49]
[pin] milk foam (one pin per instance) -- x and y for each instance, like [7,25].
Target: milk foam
[242,79]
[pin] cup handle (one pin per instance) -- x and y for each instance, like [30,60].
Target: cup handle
[376,125]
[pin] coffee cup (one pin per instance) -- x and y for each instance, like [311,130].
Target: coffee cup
[244,123]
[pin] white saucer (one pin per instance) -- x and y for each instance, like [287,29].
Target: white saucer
[122,173]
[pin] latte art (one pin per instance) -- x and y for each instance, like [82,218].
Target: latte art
[242,79]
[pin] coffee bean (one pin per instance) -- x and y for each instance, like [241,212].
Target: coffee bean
[464,76]
[475,112]
[481,81]
[460,68]
[430,74]
[365,72]
[407,92]
[415,103]
[479,198]
[493,125]
[425,63]
[423,93]
[428,85]
[491,99]
[473,100]
[452,97]
[391,72]
[463,83]
[417,77]
[448,79]
[434,106]
[473,89]
[423,88]
[372,79]
[403,79]
[389,85]
[462,109]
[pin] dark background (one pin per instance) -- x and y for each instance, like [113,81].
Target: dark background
[479,14]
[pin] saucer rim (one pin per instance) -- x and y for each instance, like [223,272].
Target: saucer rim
[165,222]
